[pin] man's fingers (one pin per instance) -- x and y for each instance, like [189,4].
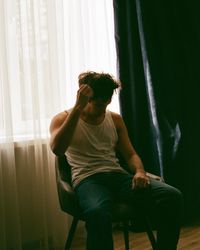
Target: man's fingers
[141,183]
[86,90]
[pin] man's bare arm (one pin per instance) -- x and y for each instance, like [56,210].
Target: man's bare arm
[61,129]
[127,150]
[63,125]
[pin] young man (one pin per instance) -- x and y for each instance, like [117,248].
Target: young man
[89,135]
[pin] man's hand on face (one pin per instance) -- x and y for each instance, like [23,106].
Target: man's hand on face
[140,180]
[84,94]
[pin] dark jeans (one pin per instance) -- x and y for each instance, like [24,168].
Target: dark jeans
[97,193]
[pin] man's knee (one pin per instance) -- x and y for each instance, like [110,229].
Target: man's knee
[98,213]
[175,196]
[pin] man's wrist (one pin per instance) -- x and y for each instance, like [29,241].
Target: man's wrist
[140,171]
[78,108]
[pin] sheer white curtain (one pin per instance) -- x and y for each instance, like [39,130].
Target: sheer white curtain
[44,45]
[90,45]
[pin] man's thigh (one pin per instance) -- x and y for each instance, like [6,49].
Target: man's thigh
[156,192]
[92,194]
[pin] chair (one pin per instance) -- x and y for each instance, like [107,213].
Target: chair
[69,204]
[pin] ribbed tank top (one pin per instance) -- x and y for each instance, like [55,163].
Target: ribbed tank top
[92,149]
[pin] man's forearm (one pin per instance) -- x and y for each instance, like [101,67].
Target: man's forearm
[135,164]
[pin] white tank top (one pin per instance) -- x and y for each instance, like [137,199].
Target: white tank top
[92,149]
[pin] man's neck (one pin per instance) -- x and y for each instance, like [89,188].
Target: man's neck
[94,119]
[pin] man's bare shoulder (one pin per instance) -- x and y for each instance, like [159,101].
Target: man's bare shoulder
[116,116]
[60,116]
[57,120]
[117,119]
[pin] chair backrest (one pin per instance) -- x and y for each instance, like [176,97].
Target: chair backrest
[67,198]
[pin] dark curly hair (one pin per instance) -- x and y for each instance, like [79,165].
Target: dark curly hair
[102,84]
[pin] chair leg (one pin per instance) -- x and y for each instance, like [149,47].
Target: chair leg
[150,235]
[126,234]
[71,233]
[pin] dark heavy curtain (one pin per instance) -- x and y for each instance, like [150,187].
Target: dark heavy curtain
[158,48]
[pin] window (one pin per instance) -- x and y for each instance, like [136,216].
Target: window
[46,45]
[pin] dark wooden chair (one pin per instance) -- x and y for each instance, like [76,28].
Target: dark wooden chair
[68,202]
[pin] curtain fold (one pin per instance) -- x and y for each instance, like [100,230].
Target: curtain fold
[44,45]
[134,95]
[158,52]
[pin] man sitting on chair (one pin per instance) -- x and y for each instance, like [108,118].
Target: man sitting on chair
[89,135]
